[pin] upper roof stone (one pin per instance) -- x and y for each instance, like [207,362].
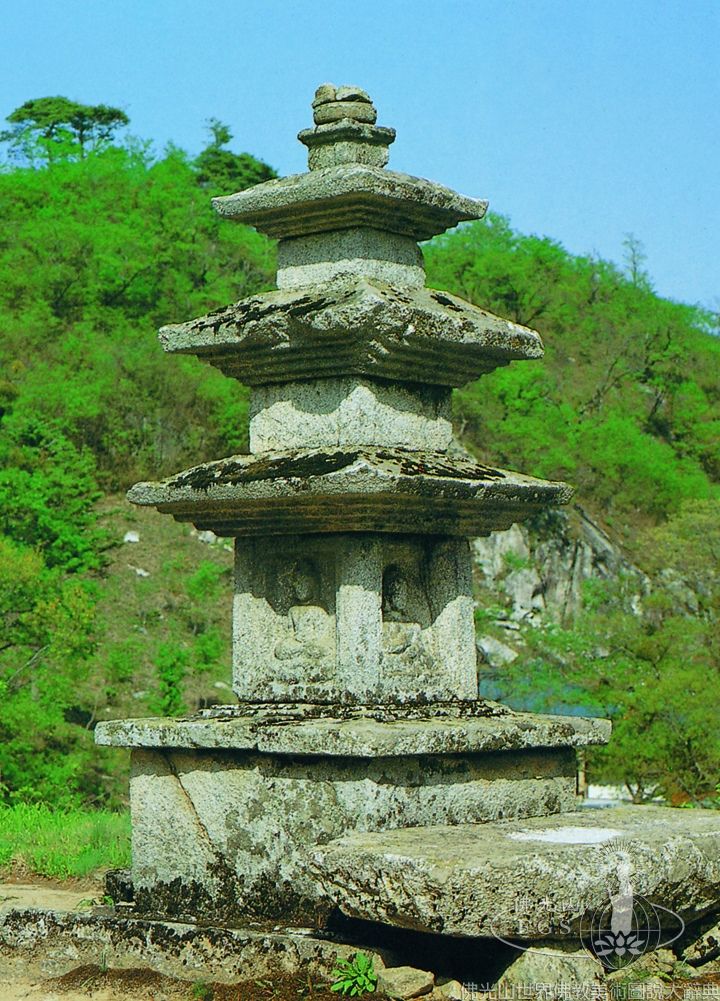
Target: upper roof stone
[347,186]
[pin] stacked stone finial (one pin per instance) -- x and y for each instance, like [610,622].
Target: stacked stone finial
[353,633]
[332,104]
[345,129]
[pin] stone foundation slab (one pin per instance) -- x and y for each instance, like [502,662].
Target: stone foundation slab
[51,943]
[227,835]
[539,878]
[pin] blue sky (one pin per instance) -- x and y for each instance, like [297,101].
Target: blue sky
[582,120]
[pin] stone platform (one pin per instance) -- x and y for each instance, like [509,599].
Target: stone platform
[228,805]
[539,879]
[358,731]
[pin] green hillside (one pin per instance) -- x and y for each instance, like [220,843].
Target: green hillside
[101,244]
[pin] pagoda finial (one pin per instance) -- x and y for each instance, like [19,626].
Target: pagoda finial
[332,104]
[344,129]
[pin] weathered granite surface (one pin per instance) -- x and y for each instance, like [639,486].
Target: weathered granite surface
[44,943]
[347,196]
[344,130]
[348,617]
[534,880]
[565,969]
[358,731]
[347,141]
[403,983]
[350,411]
[357,489]
[353,637]
[226,836]
[353,325]
[322,257]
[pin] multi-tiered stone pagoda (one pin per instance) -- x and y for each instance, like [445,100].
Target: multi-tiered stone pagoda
[358,730]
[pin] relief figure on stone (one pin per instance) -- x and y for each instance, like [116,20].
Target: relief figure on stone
[307,651]
[400,635]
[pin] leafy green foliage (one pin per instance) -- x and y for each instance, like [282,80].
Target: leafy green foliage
[100,245]
[47,492]
[654,670]
[626,406]
[221,172]
[96,253]
[202,991]
[354,977]
[171,665]
[63,843]
[52,127]
[48,624]
[625,403]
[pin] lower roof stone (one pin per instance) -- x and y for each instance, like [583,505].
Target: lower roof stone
[350,490]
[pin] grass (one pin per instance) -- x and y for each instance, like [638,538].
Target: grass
[63,844]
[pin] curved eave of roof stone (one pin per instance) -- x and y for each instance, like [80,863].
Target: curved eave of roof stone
[350,195]
[354,326]
[335,472]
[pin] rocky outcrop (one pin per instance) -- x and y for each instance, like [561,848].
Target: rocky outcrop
[539,569]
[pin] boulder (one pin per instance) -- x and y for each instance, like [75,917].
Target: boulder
[405,982]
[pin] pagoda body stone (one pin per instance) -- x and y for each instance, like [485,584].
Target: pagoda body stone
[354,659]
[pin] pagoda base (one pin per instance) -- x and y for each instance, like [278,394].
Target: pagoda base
[229,806]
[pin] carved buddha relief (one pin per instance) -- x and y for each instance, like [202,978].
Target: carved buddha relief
[307,648]
[404,643]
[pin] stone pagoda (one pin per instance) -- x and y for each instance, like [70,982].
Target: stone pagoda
[358,721]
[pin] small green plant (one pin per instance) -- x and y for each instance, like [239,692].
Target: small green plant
[513,561]
[202,991]
[355,977]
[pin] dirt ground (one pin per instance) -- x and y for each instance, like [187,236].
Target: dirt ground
[90,983]
[20,891]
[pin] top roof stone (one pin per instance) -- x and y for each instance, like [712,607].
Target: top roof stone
[346,186]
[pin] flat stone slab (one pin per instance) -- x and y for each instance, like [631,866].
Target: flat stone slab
[529,879]
[350,195]
[349,489]
[353,326]
[367,733]
[51,943]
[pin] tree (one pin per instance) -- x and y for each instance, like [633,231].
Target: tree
[47,490]
[635,260]
[221,171]
[51,127]
[47,628]
[651,663]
